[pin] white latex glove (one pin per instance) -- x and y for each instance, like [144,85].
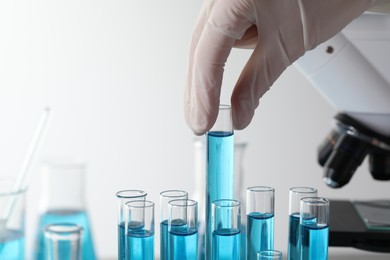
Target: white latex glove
[280,31]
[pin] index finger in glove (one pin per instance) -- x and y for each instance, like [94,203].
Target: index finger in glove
[213,40]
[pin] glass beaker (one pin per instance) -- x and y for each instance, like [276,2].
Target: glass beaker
[63,241]
[296,194]
[314,233]
[270,255]
[260,220]
[12,213]
[183,230]
[220,160]
[139,230]
[165,198]
[63,201]
[226,221]
[125,196]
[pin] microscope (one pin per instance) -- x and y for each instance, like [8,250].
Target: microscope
[352,71]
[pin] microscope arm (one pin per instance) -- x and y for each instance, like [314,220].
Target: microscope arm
[348,80]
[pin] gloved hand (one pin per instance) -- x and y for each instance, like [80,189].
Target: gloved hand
[280,31]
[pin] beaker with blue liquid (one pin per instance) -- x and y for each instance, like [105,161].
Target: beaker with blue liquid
[226,226]
[314,228]
[295,196]
[125,196]
[260,220]
[165,198]
[139,230]
[183,230]
[12,217]
[63,241]
[63,201]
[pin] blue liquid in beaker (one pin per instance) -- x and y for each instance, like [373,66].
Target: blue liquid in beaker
[220,159]
[260,233]
[141,244]
[183,243]
[314,241]
[12,245]
[226,244]
[293,237]
[67,216]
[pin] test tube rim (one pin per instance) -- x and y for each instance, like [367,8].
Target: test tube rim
[270,253]
[142,194]
[194,203]
[261,189]
[305,189]
[71,228]
[184,193]
[316,201]
[235,203]
[147,204]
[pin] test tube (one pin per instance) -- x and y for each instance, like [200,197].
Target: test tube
[139,230]
[296,194]
[183,230]
[270,255]
[226,221]
[125,196]
[63,241]
[260,220]
[220,163]
[314,233]
[165,198]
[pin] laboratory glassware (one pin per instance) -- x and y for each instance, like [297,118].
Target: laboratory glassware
[200,186]
[63,201]
[165,198]
[260,220]
[139,230]
[226,221]
[220,160]
[63,241]
[295,196]
[125,196]
[183,230]
[270,255]
[12,232]
[314,233]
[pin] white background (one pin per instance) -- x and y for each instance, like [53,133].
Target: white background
[114,73]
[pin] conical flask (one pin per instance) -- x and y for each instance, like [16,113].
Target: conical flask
[63,201]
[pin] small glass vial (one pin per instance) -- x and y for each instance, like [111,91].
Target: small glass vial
[63,241]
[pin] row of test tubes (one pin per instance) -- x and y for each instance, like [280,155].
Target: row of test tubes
[308,226]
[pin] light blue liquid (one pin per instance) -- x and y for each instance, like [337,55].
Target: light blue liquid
[121,241]
[314,242]
[66,216]
[220,159]
[260,235]
[64,250]
[164,240]
[141,244]
[293,237]
[226,244]
[183,243]
[12,245]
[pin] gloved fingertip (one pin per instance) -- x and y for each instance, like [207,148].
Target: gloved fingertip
[242,114]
